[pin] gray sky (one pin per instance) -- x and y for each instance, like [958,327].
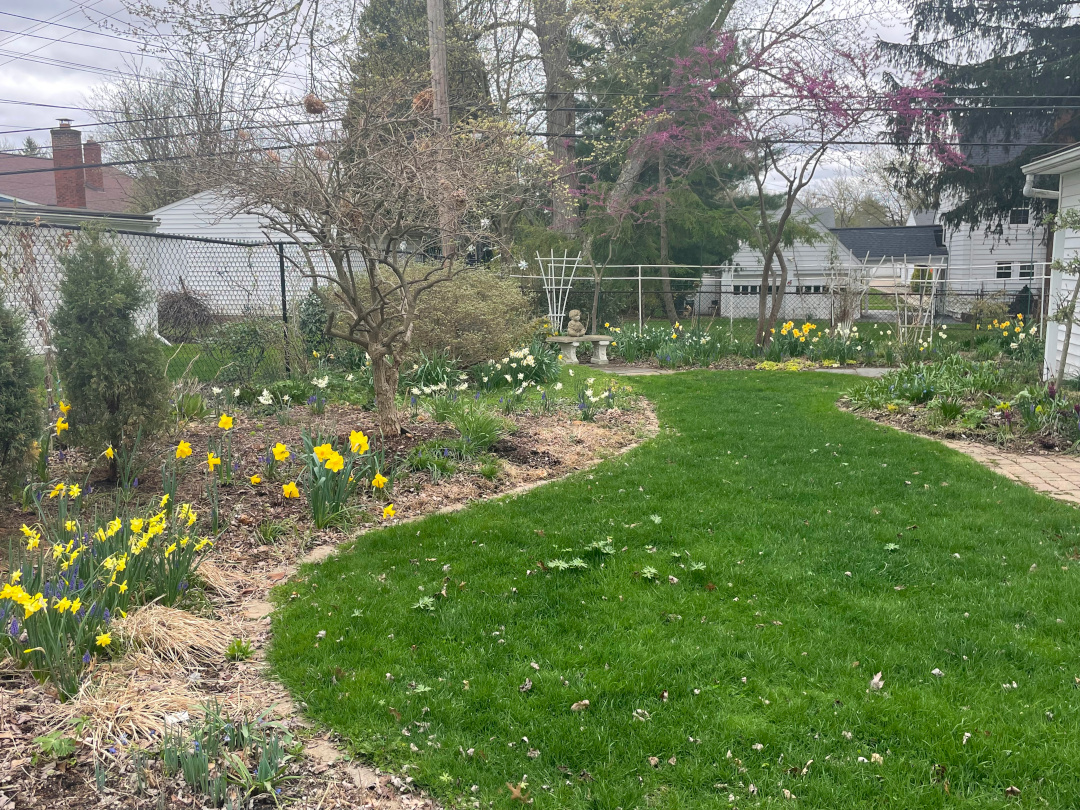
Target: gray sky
[29,69]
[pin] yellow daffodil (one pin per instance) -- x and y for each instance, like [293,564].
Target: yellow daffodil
[170,550]
[122,587]
[62,605]
[314,353]
[335,462]
[164,501]
[61,425]
[74,491]
[75,605]
[64,407]
[183,450]
[281,452]
[379,481]
[388,511]
[323,451]
[289,490]
[358,442]
[109,453]
[103,640]
[136,524]
[256,480]
[71,525]
[212,461]
[225,422]
[59,489]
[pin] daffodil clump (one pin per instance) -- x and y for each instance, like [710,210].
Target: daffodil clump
[1010,336]
[332,475]
[672,346]
[528,366]
[75,572]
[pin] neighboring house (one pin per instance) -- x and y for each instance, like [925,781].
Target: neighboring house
[985,260]
[1065,164]
[896,254]
[72,178]
[209,215]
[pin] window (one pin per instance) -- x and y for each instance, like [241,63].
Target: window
[1027,271]
[1004,269]
[1019,216]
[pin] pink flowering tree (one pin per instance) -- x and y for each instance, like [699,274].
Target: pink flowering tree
[771,108]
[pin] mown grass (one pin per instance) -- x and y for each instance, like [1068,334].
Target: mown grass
[837,548]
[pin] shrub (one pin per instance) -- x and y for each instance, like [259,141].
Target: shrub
[111,369]
[20,414]
[240,347]
[479,316]
[183,315]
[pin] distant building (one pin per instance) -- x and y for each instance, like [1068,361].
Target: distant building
[71,178]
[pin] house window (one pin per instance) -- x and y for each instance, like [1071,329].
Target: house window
[1027,271]
[1019,216]
[1004,269]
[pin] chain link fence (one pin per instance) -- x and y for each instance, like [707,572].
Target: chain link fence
[226,312]
[640,293]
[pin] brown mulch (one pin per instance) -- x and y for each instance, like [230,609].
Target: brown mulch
[167,671]
[913,420]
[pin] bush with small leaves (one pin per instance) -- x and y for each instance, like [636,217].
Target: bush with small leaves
[20,413]
[110,366]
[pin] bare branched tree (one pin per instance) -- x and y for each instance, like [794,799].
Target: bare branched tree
[361,199]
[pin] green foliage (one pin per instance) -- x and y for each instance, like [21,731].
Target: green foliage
[534,364]
[20,413]
[479,315]
[479,428]
[329,478]
[239,649]
[55,745]
[241,347]
[111,369]
[224,758]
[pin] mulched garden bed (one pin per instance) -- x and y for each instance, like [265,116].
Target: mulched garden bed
[125,701]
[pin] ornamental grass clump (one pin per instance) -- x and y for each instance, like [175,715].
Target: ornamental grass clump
[76,571]
[110,367]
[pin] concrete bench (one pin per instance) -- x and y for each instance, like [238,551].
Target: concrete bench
[599,344]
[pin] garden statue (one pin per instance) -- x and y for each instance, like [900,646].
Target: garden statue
[575,328]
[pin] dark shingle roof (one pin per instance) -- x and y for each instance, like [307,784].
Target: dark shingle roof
[914,241]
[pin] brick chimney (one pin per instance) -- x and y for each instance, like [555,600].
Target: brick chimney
[95,178]
[67,151]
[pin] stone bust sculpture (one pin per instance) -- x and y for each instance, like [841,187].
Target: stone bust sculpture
[575,328]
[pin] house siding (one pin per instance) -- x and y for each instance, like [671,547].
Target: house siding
[1066,246]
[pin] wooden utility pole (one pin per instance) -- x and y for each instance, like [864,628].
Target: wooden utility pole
[440,97]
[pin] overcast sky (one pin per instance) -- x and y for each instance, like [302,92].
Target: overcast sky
[36,38]
[53,52]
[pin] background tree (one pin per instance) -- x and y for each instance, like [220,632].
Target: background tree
[20,412]
[1008,72]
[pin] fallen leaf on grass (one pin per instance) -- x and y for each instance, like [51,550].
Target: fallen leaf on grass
[877,682]
[525,687]
[580,706]
[654,761]
[1012,791]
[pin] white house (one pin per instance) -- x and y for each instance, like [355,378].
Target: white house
[207,214]
[1065,164]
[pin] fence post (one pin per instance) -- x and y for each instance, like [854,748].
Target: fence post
[284,306]
[640,314]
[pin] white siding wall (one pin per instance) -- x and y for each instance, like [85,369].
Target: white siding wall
[205,214]
[1066,246]
[973,256]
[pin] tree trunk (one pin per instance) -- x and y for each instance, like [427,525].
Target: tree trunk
[780,289]
[553,35]
[762,338]
[385,377]
[665,277]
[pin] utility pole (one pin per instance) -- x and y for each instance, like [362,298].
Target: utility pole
[440,97]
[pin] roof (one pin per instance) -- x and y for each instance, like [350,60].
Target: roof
[39,188]
[914,241]
[1056,162]
[17,212]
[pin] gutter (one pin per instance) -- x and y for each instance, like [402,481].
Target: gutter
[1041,193]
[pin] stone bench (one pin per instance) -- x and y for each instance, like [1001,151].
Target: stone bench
[599,344]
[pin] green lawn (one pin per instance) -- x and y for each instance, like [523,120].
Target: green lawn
[780,495]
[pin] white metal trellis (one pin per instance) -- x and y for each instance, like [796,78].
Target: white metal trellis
[557,284]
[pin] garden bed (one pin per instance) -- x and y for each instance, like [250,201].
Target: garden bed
[1001,403]
[112,728]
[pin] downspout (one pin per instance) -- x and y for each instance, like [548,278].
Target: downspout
[1043,194]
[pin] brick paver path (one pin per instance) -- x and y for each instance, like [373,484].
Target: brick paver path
[1057,476]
